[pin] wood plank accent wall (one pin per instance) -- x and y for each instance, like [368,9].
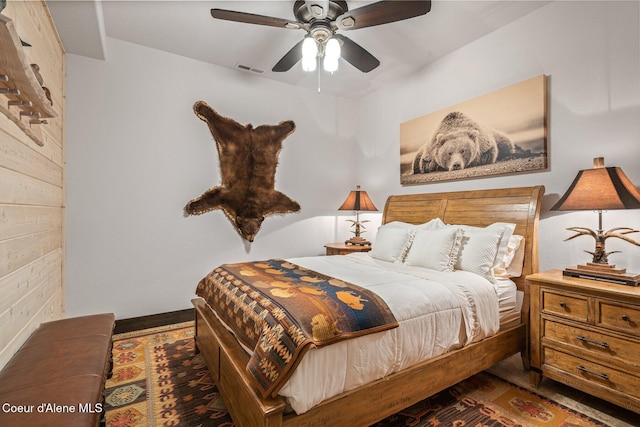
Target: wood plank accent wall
[32,194]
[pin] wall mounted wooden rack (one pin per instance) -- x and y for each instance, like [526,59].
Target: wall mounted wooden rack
[26,103]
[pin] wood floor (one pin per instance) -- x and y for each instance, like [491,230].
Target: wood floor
[154,320]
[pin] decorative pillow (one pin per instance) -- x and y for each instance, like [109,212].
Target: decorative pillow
[430,225]
[434,224]
[435,249]
[392,242]
[398,224]
[483,249]
[511,264]
[515,267]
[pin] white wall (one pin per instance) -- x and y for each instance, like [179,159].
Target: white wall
[591,53]
[136,154]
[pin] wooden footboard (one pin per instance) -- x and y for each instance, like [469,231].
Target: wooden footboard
[405,388]
[227,361]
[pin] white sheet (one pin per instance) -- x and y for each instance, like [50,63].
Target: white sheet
[437,312]
[510,302]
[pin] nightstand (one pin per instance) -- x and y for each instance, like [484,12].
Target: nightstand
[344,249]
[586,334]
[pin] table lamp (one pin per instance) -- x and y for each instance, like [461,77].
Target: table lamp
[357,200]
[599,189]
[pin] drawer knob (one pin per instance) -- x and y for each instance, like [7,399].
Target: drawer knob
[626,318]
[563,305]
[590,341]
[597,374]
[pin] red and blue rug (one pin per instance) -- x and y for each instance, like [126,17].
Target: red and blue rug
[159,381]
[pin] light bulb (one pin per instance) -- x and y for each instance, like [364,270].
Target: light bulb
[332,49]
[309,54]
[330,64]
[308,64]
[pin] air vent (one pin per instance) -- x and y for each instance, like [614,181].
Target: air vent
[248,68]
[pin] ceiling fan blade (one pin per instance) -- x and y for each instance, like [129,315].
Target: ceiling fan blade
[289,59]
[382,12]
[250,18]
[356,55]
[318,8]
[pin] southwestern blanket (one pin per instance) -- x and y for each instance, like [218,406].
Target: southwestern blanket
[280,310]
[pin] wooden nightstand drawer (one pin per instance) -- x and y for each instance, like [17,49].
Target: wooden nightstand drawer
[344,249]
[592,373]
[608,348]
[570,306]
[621,317]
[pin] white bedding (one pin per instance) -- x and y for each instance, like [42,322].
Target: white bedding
[460,308]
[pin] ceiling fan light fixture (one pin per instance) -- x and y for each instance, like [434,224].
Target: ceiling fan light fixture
[321,19]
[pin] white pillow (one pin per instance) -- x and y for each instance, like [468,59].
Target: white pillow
[483,249]
[513,260]
[429,225]
[434,224]
[391,243]
[435,249]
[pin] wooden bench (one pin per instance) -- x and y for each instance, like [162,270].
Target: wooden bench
[57,377]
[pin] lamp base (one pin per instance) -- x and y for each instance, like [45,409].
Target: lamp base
[602,268]
[603,272]
[360,241]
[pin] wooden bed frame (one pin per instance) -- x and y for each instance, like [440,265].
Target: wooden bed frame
[375,401]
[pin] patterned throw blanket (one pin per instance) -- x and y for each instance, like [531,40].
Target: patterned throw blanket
[281,310]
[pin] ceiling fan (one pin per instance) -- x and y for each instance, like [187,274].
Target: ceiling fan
[321,19]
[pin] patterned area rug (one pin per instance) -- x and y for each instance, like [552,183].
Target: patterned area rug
[159,381]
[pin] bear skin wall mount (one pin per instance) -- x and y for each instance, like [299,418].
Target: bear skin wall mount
[248,161]
[461,142]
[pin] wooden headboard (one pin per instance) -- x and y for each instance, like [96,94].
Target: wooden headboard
[520,206]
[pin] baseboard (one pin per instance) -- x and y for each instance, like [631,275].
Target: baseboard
[153,320]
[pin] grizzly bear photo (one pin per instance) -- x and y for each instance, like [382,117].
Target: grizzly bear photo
[502,132]
[461,142]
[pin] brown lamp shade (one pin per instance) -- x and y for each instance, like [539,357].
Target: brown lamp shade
[600,188]
[358,201]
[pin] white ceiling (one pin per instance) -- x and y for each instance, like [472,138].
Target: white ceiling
[186,28]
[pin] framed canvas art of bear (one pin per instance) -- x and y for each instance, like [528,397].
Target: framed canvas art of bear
[502,132]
